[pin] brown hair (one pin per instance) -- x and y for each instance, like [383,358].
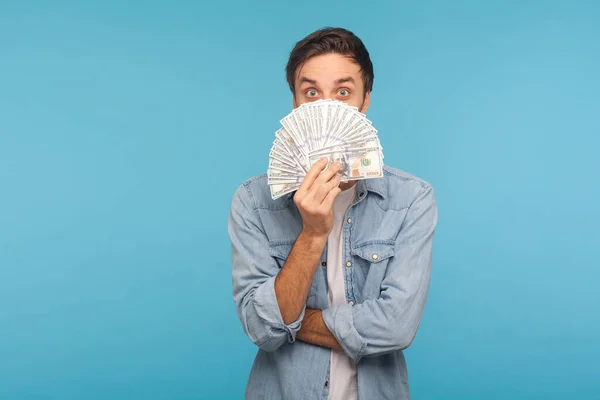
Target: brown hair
[330,40]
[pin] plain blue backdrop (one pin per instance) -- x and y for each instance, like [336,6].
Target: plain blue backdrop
[125,128]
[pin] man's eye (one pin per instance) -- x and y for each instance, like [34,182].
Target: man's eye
[344,92]
[311,93]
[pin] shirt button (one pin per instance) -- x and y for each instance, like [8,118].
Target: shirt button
[324,263]
[349,220]
[375,256]
[348,264]
[326,383]
[351,302]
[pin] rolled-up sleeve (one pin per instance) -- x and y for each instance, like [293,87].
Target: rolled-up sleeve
[389,322]
[253,275]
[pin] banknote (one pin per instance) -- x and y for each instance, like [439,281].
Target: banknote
[323,128]
[281,189]
[360,163]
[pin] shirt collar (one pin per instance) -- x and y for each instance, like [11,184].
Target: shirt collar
[376,185]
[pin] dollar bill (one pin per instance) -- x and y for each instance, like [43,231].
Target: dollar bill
[362,163]
[281,189]
[323,128]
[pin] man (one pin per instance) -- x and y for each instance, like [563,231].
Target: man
[340,158]
[330,282]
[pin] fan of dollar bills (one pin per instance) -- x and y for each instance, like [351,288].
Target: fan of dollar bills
[323,128]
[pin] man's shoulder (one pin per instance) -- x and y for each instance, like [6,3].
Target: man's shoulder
[256,190]
[401,188]
[402,179]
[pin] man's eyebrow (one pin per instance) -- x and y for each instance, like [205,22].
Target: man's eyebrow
[345,80]
[304,79]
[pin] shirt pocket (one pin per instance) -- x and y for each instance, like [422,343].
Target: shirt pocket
[370,261]
[280,251]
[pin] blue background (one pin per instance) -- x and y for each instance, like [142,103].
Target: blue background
[125,128]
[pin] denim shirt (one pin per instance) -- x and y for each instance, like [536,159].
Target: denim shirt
[387,241]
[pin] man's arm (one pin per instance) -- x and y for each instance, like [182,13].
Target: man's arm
[270,301]
[292,284]
[314,199]
[389,322]
[253,276]
[314,330]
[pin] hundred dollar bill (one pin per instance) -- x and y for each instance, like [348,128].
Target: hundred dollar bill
[275,157]
[323,128]
[277,165]
[293,148]
[281,189]
[367,142]
[279,176]
[362,163]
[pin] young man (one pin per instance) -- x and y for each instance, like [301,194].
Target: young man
[330,282]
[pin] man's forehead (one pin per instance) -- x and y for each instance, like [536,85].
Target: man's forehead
[328,68]
[314,79]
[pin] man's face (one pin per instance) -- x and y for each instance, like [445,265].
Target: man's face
[339,157]
[331,76]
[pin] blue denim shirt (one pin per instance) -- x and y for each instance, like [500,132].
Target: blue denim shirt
[387,241]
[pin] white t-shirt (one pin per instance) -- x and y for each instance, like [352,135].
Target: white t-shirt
[342,376]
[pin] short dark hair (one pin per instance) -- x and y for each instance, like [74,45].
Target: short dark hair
[330,40]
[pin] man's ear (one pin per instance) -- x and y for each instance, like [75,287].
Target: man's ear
[366,102]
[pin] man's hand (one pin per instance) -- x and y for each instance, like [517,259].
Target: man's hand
[314,199]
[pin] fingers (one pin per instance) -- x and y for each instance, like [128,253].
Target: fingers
[327,203]
[324,189]
[326,175]
[310,177]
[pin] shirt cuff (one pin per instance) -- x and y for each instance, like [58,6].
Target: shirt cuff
[267,308]
[340,322]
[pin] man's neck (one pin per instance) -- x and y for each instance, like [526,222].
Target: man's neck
[347,185]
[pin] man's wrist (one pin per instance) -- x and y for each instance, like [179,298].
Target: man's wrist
[313,240]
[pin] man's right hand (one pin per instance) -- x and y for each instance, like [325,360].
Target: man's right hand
[314,199]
